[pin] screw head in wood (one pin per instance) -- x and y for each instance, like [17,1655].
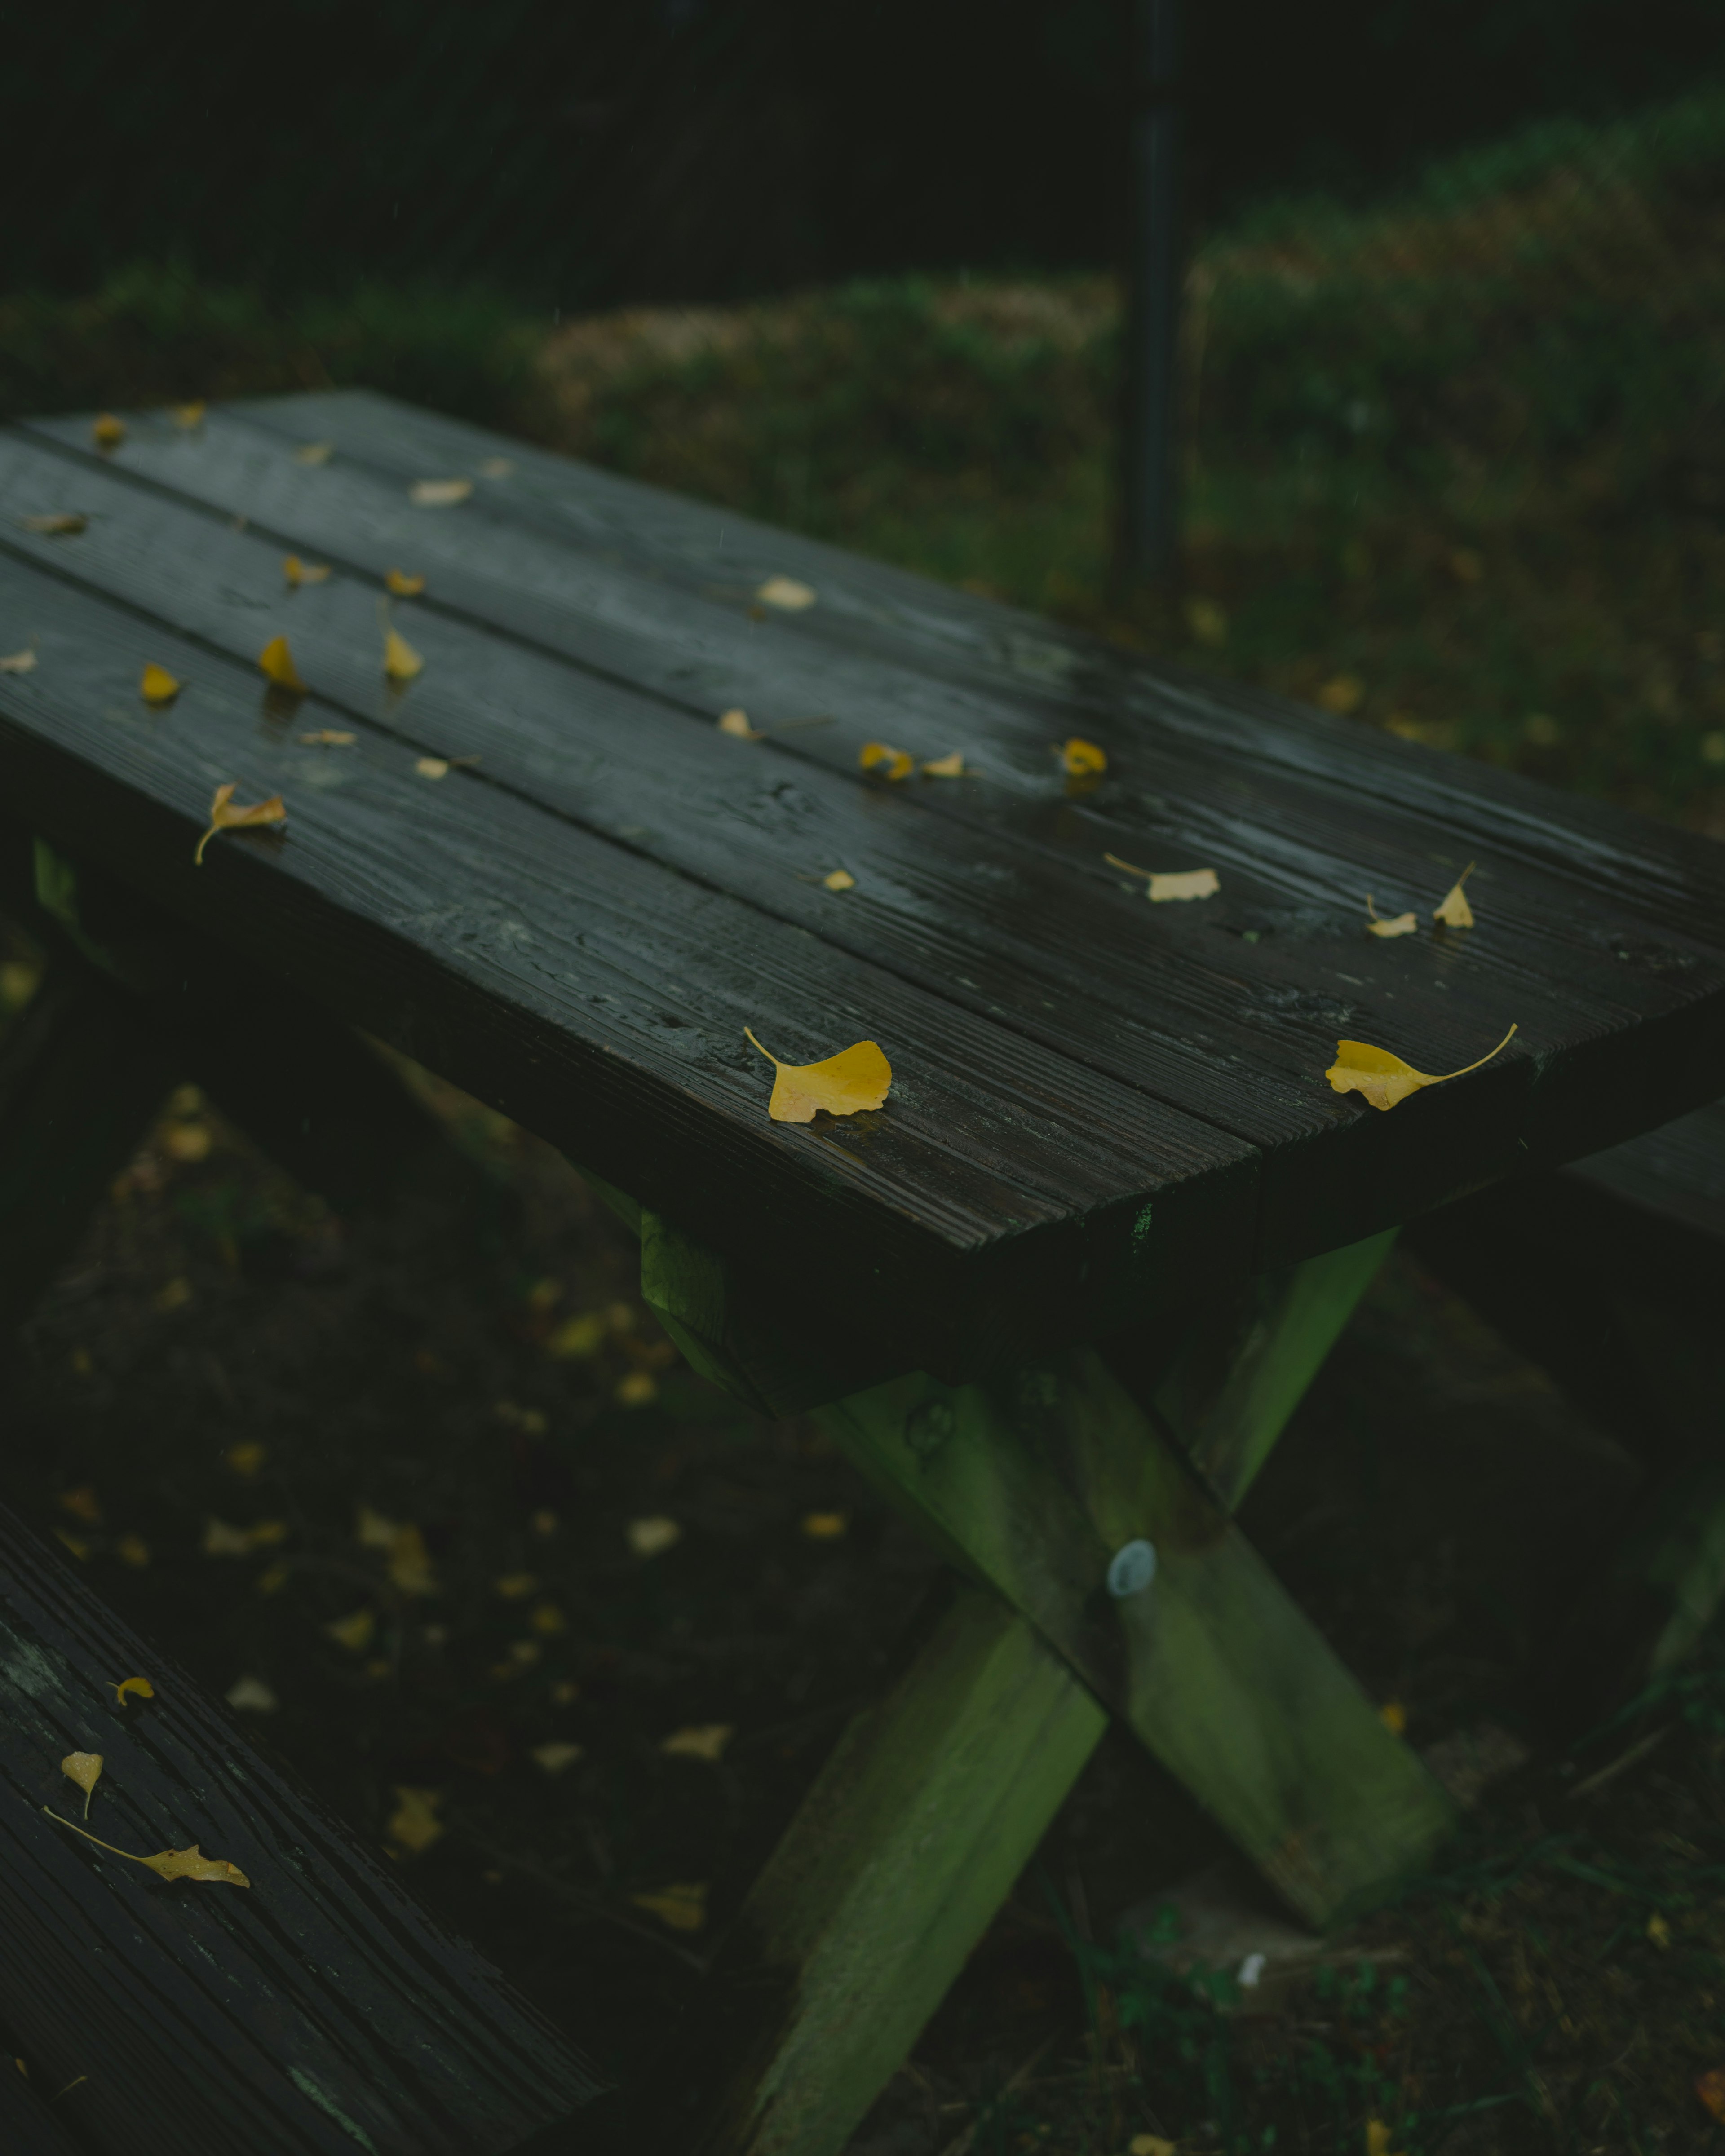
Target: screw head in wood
[1131,1569]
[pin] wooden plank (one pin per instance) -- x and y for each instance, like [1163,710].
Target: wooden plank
[316,2010]
[1001,1196]
[1675,1173]
[929,1807]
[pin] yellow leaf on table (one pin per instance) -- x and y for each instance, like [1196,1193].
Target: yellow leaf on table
[277,662]
[299,573]
[893,763]
[329,737]
[1456,912]
[189,416]
[128,1686]
[402,585]
[245,1456]
[57,523]
[787,593]
[737,725]
[85,1769]
[1404,924]
[682,1907]
[353,1633]
[19,662]
[1384,1079]
[314,452]
[824,1527]
[439,493]
[401,662]
[858,1078]
[1082,759]
[157,686]
[555,1758]
[839,880]
[414,1823]
[108,432]
[945,767]
[225,815]
[169,1863]
[704,1740]
[653,1536]
[1164,884]
[1343,694]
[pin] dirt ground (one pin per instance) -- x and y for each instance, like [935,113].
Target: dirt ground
[428,1495]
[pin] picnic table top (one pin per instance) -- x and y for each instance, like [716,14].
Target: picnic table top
[1094,1099]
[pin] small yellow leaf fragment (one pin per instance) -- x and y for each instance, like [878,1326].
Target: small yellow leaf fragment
[1404,924]
[401,662]
[57,523]
[353,1633]
[414,1823]
[704,1740]
[314,452]
[189,416]
[653,1536]
[1394,1718]
[439,493]
[1658,1930]
[404,586]
[858,1078]
[1082,759]
[1456,912]
[893,763]
[945,767]
[1150,2145]
[839,880]
[556,1758]
[825,1527]
[785,591]
[297,572]
[19,662]
[736,723]
[108,433]
[432,766]
[141,1685]
[682,1907]
[1382,1079]
[226,815]
[85,1769]
[276,661]
[169,1863]
[1164,884]
[328,737]
[156,685]
[1378,2137]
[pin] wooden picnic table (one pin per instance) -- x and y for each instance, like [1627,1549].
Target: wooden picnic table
[1060,1293]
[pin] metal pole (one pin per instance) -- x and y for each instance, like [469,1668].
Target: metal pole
[1149,521]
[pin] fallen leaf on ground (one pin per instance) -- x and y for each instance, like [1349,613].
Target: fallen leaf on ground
[682,1907]
[277,662]
[1341,694]
[1150,2145]
[414,1823]
[299,573]
[859,1077]
[108,432]
[225,816]
[1379,2136]
[824,1527]
[19,662]
[401,662]
[329,737]
[141,1686]
[82,1504]
[703,1740]
[1456,912]
[85,1769]
[578,1338]
[157,686]
[1404,924]
[638,1389]
[402,585]
[189,416]
[245,1456]
[189,1141]
[1166,884]
[893,763]
[57,523]
[251,1695]
[945,767]
[170,1863]
[439,493]
[132,1550]
[787,593]
[736,724]
[653,1536]
[1709,2088]
[353,1633]
[839,880]
[1659,1931]
[314,452]
[1082,759]
[555,1758]
[1384,1079]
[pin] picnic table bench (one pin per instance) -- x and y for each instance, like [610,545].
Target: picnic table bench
[1060,1294]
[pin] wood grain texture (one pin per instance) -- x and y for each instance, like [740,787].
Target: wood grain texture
[319,2010]
[1674,1173]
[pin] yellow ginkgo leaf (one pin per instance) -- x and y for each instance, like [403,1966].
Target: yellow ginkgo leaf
[1082,759]
[314,452]
[19,662]
[1384,1079]
[157,686]
[404,586]
[225,816]
[787,593]
[1166,884]
[401,662]
[1404,924]
[1378,2138]
[945,767]
[414,1823]
[189,416]
[1456,912]
[682,1907]
[737,725]
[277,661]
[704,1740]
[439,493]
[857,1078]
[141,1686]
[109,432]
[892,763]
[839,880]
[85,1769]
[57,523]
[654,1535]
[169,1863]
[299,573]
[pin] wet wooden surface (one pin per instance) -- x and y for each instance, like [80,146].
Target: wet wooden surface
[1094,1100]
